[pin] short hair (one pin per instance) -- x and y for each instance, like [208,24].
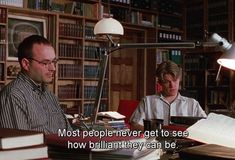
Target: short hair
[168,67]
[25,47]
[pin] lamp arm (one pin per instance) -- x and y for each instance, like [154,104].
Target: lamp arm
[103,68]
[172,45]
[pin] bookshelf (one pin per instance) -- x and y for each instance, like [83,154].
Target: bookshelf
[72,36]
[70,68]
[195,11]
[3,45]
[200,65]
[131,73]
[170,28]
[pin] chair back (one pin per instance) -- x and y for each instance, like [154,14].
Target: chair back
[127,107]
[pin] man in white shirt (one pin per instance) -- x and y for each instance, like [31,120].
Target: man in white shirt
[169,102]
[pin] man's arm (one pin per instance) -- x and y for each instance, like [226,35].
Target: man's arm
[136,126]
[198,111]
[136,120]
[12,112]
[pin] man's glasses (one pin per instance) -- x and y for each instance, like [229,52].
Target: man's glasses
[45,63]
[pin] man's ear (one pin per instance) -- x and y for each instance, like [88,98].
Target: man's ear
[25,64]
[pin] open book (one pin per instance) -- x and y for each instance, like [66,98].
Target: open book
[216,129]
[112,114]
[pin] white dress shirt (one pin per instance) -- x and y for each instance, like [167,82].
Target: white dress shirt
[156,107]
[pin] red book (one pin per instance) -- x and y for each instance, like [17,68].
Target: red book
[84,143]
[15,138]
[32,152]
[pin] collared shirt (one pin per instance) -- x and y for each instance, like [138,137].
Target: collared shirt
[156,107]
[26,105]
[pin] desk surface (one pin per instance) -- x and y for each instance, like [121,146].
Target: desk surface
[210,151]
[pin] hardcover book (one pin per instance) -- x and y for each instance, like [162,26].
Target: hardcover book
[13,138]
[31,152]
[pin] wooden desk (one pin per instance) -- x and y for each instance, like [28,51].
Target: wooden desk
[208,152]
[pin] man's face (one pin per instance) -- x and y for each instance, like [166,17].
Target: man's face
[170,85]
[41,67]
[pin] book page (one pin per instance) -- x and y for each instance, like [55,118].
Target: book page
[216,129]
[112,114]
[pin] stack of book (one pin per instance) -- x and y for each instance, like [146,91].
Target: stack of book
[83,149]
[113,120]
[21,144]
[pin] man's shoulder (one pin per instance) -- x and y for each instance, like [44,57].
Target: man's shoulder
[151,97]
[188,99]
[11,88]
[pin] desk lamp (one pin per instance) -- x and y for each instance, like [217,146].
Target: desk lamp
[110,27]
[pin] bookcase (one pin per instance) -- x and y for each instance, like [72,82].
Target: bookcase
[71,33]
[144,21]
[200,65]
[3,43]
[131,72]
[170,28]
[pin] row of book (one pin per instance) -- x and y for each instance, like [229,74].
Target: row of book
[39,4]
[15,3]
[77,8]
[195,62]
[170,6]
[2,34]
[218,17]
[223,79]
[3,15]
[173,55]
[169,22]
[141,18]
[81,9]
[165,6]
[70,50]
[2,52]
[75,51]
[90,92]
[194,17]
[144,4]
[218,97]
[89,32]
[117,1]
[94,52]
[194,80]
[69,71]
[91,71]
[69,91]
[71,30]
[120,14]
[169,36]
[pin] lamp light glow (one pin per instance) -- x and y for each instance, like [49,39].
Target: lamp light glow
[108,26]
[228,63]
[228,58]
